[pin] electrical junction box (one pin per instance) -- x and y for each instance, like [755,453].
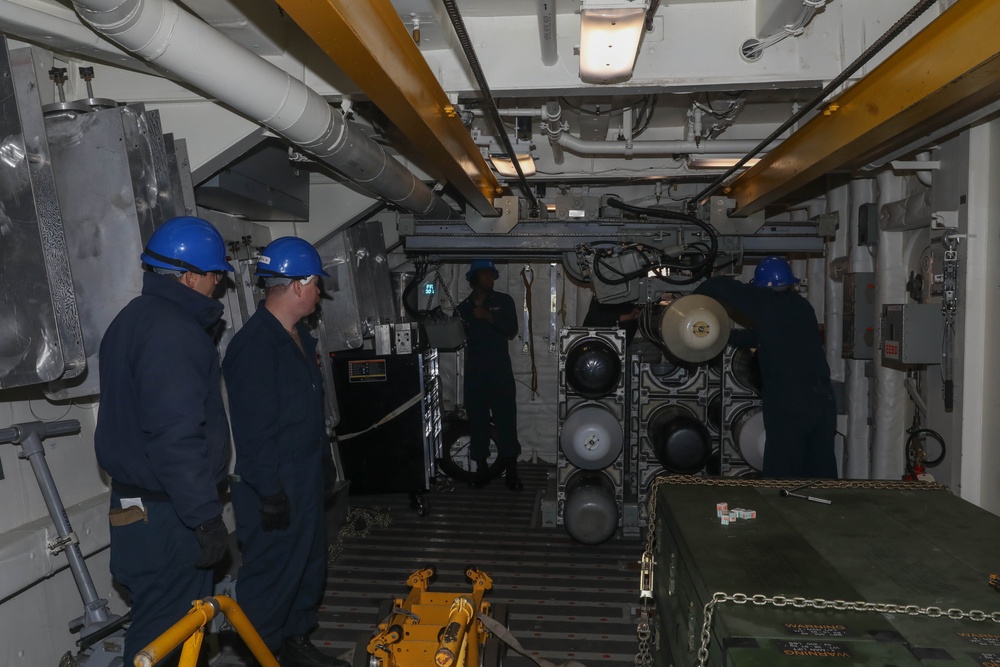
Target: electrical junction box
[912,333]
[859,316]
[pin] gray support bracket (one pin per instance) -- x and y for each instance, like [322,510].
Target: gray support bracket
[508,209]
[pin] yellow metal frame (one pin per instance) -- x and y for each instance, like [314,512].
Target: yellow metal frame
[945,72]
[369,42]
[190,631]
[438,627]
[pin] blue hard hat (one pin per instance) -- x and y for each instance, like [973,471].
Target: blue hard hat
[187,243]
[290,257]
[773,272]
[480,264]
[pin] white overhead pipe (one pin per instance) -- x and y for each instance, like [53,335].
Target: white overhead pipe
[54,32]
[547,32]
[164,35]
[645,148]
[558,136]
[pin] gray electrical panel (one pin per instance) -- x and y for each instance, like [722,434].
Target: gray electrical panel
[859,316]
[912,333]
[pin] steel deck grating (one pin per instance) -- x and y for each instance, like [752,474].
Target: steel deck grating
[566,601]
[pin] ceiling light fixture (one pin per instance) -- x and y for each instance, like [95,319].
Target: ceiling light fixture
[610,31]
[505,166]
[718,162]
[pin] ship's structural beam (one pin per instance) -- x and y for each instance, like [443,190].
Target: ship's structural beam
[944,73]
[371,45]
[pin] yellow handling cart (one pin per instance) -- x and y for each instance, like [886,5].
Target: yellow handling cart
[435,629]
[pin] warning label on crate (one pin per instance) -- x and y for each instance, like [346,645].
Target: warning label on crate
[987,659]
[815,649]
[981,639]
[817,629]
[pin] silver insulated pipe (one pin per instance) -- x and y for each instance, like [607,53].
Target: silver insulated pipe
[161,33]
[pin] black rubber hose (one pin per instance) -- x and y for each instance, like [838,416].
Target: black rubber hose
[418,276]
[699,270]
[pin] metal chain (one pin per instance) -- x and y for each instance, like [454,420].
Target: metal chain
[823,604]
[644,657]
[643,628]
[781,600]
[439,282]
[444,287]
[359,522]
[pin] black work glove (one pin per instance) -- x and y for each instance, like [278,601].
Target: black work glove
[275,512]
[213,536]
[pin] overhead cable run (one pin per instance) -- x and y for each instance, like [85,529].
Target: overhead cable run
[902,24]
[698,269]
[470,53]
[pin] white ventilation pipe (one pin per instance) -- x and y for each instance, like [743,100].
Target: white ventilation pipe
[835,261]
[890,392]
[55,32]
[857,448]
[547,32]
[161,33]
[552,126]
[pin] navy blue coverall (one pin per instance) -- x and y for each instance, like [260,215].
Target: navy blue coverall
[800,415]
[489,378]
[276,404]
[162,436]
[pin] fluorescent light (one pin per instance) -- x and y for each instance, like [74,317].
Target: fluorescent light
[610,31]
[718,162]
[505,166]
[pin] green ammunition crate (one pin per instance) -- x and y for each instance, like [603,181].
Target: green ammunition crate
[877,543]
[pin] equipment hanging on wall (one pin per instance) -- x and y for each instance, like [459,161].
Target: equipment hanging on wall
[101,632]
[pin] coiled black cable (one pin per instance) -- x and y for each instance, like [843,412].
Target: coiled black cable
[917,434]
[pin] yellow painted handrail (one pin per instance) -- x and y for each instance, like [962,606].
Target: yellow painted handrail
[190,631]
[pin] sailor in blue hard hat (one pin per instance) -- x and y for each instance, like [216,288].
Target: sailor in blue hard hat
[276,402]
[478,265]
[162,433]
[773,272]
[490,323]
[800,415]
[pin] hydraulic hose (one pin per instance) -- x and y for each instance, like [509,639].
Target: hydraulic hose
[699,269]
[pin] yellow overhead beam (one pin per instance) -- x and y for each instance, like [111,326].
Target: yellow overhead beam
[367,40]
[948,70]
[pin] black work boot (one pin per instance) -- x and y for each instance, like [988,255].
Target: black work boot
[298,651]
[481,477]
[511,480]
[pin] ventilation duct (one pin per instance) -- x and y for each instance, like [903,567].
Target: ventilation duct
[177,42]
